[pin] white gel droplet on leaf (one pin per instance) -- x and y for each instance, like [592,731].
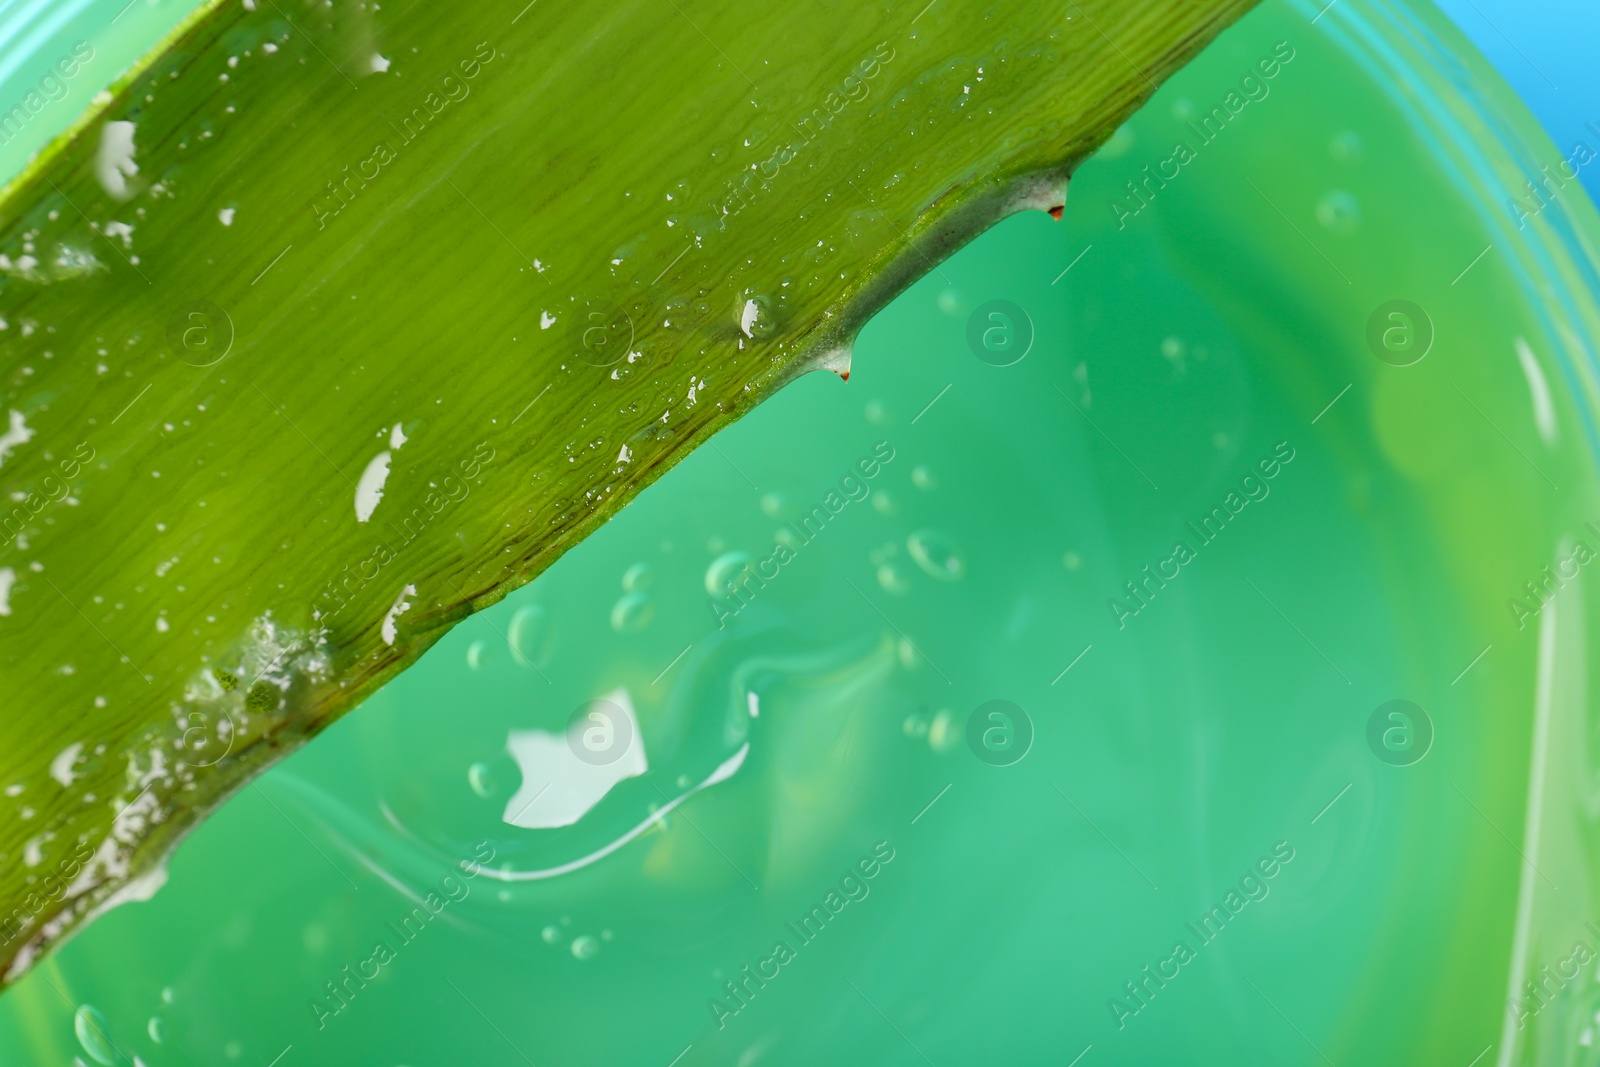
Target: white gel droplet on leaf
[113,162]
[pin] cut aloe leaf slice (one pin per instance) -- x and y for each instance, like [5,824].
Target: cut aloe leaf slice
[333,326]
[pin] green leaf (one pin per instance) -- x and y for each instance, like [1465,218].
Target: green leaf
[506,263]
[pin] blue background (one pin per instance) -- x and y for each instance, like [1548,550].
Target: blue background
[1549,51]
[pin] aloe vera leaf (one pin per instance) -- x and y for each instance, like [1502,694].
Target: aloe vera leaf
[335,325]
